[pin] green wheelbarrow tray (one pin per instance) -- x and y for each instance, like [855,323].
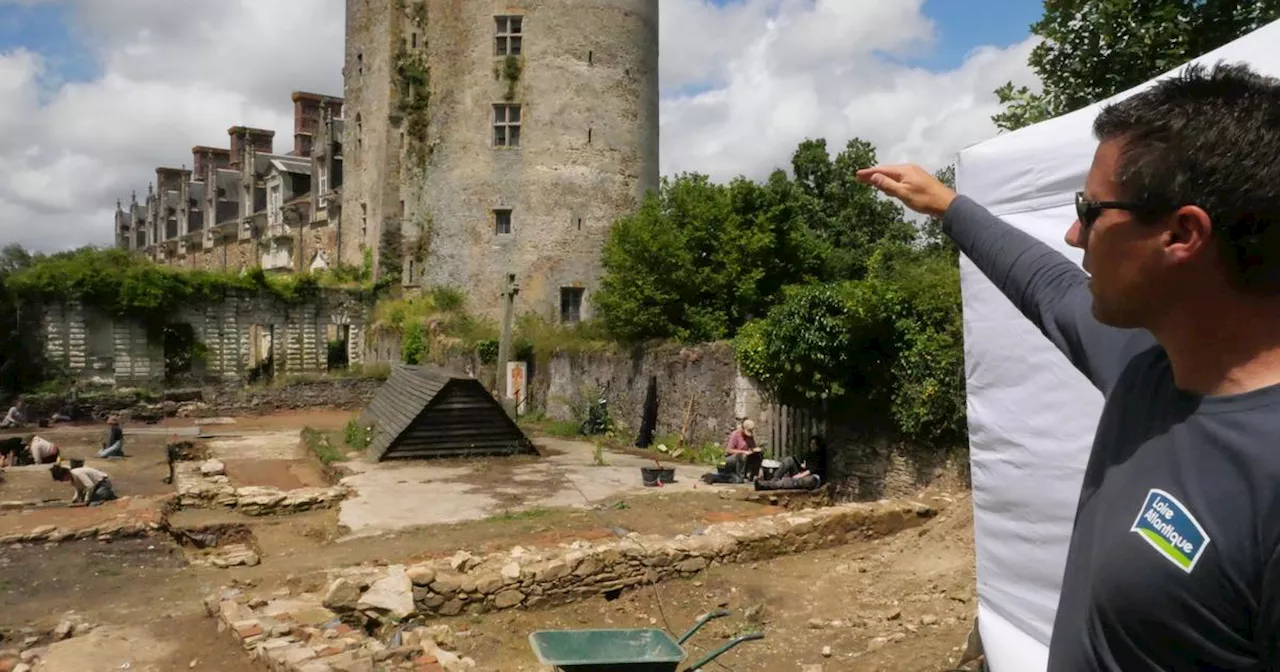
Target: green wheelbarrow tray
[623,650]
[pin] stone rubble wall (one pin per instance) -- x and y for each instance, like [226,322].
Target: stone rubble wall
[521,578]
[347,393]
[205,485]
[55,534]
[120,528]
[296,634]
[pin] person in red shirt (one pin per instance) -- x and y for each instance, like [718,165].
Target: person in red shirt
[742,457]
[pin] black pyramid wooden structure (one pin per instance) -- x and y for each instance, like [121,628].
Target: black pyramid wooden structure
[426,411]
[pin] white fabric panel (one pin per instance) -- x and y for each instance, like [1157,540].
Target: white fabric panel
[1031,415]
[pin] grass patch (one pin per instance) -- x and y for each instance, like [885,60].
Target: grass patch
[357,436]
[521,515]
[320,444]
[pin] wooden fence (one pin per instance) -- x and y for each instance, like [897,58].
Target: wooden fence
[790,430]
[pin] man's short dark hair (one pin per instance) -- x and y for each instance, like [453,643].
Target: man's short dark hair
[59,472]
[1208,137]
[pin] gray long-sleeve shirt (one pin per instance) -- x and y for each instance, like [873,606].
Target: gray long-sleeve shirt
[1174,560]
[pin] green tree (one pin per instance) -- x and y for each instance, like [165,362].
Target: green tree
[1094,49]
[848,216]
[21,364]
[931,234]
[699,259]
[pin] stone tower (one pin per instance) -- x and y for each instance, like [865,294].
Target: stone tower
[487,138]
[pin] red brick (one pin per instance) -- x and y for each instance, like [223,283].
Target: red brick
[7,664]
[330,651]
[249,631]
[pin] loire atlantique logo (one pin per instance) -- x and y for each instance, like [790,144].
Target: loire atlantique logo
[1171,529]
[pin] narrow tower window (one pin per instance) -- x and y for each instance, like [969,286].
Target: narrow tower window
[501,221]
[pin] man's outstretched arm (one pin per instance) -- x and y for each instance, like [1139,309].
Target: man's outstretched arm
[1048,288]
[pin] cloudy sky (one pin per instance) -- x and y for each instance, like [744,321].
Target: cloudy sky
[96,93]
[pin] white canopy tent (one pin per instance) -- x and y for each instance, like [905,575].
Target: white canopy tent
[1032,416]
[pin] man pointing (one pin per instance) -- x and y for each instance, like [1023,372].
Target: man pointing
[1174,561]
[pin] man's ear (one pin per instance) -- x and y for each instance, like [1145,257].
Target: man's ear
[1187,234]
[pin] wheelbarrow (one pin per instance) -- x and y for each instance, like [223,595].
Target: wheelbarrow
[623,649]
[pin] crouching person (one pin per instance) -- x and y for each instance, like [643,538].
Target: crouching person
[799,474]
[93,487]
[42,450]
[113,446]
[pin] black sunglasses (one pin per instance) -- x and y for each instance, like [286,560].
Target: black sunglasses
[1089,211]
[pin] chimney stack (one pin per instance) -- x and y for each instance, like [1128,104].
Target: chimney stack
[243,137]
[309,110]
[203,157]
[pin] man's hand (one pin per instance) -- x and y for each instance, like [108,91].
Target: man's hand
[912,185]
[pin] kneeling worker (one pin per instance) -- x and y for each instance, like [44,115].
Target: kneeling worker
[92,486]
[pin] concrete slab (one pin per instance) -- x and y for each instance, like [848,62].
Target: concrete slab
[392,496]
[258,446]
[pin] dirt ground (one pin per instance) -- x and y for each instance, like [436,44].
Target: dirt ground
[900,603]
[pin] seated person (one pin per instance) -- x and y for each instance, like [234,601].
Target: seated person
[42,450]
[93,487]
[114,445]
[17,415]
[742,457]
[799,474]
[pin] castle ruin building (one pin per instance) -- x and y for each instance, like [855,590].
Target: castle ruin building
[245,205]
[488,139]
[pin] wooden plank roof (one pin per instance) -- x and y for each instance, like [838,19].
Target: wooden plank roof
[426,411]
[399,401]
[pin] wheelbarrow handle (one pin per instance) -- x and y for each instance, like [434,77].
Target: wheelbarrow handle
[729,645]
[719,613]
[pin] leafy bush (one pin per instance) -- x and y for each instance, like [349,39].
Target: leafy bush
[894,340]
[413,347]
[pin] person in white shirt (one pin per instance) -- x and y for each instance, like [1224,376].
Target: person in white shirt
[17,415]
[93,486]
[43,451]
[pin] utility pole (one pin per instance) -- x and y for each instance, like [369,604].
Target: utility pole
[504,343]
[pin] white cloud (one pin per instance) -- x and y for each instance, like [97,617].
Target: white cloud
[801,68]
[177,73]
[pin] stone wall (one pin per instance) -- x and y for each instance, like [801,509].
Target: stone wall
[93,346]
[563,385]
[351,394]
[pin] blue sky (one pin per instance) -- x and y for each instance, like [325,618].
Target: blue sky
[47,29]
[966,24]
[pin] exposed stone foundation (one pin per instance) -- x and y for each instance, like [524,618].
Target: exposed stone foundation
[524,578]
[205,485]
[121,519]
[29,645]
[327,633]
[297,634]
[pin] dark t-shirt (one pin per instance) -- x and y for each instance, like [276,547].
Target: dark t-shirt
[1173,562]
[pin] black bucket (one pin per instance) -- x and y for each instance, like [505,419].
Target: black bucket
[652,476]
[76,462]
